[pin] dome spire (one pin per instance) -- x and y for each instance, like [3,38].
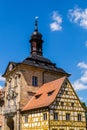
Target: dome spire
[36,40]
[36,23]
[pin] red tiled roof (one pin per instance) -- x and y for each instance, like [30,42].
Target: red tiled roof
[45,95]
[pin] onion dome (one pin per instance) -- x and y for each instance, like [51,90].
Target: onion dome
[36,35]
[36,41]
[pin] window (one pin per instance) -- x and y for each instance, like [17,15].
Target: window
[66,83]
[72,104]
[26,118]
[61,92]
[79,117]
[62,103]
[45,116]
[67,116]
[66,92]
[57,103]
[55,116]
[34,81]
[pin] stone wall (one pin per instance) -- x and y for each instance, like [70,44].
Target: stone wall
[26,88]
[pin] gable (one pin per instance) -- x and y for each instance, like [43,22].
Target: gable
[67,98]
[45,95]
[9,68]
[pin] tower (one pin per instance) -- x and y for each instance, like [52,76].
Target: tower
[36,41]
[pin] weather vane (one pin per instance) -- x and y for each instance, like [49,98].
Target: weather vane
[36,23]
[36,17]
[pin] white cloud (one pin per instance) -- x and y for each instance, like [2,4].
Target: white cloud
[57,21]
[78,85]
[2,78]
[78,16]
[82,65]
[81,83]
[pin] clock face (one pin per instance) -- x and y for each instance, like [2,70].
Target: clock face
[10,67]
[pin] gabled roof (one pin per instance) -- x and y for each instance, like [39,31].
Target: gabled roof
[13,64]
[45,95]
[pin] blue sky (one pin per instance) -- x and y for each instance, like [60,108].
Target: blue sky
[64,28]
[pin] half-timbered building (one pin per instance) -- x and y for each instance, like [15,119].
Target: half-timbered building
[38,94]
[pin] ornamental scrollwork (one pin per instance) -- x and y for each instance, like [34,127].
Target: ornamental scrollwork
[11,94]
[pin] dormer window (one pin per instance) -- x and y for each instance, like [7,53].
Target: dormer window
[37,96]
[50,93]
[34,81]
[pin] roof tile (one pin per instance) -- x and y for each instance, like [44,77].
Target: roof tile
[42,98]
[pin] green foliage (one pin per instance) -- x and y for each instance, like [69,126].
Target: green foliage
[84,104]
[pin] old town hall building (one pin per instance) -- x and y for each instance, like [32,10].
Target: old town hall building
[38,95]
